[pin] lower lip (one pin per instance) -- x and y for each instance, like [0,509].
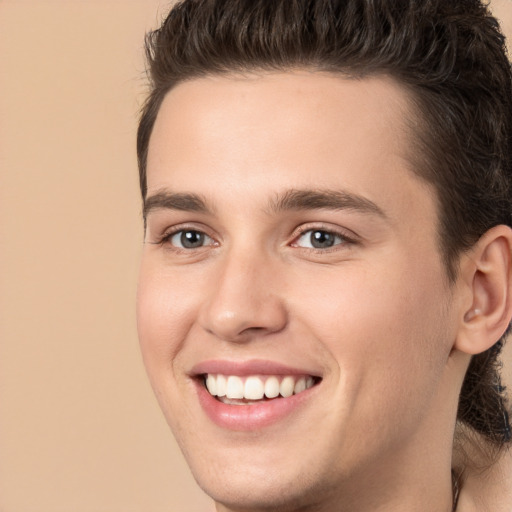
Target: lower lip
[250,417]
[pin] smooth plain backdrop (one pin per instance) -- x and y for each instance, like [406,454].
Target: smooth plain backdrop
[80,430]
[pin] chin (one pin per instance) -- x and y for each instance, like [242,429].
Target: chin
[259,478]
[260,490]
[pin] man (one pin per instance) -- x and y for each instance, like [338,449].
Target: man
[325,280]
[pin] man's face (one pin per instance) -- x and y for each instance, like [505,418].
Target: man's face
[289,245]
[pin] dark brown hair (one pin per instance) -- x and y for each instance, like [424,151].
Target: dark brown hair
[450,54]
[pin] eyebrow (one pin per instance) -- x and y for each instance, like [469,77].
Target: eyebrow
[297,199]
[165,200]
[293,199]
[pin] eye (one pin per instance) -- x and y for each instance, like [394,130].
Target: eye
[189,239]
[319,239]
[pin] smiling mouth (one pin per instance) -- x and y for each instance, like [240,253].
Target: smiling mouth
[254,389]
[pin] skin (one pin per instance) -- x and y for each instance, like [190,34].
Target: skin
[373,315]
[487,484]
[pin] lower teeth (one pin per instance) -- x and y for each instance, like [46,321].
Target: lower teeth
[242,401]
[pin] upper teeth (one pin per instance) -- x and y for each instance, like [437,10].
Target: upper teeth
[255,387]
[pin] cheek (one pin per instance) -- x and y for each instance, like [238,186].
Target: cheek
[164,318]
[163,315]
[384,329]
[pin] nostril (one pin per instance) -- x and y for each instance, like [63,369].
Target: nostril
[242,307]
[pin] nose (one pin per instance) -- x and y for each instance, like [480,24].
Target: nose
[244,300]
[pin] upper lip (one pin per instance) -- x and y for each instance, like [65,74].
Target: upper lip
[245,368]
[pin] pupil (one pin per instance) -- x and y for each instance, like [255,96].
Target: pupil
[321,239]
[192,239]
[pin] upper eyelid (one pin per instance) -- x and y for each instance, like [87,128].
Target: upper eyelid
[344,240]
[159,237]
[330,231]
[186,226]
[164,239]
[338,230]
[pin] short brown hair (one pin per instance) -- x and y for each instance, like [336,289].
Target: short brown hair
[450,54]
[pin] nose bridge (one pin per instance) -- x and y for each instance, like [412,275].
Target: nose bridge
[245,298]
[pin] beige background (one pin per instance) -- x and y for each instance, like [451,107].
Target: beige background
[79,428]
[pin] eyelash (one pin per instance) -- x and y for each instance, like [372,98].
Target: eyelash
[344,239]
[168,235]
[340,235]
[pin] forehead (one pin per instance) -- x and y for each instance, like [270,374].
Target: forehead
[329,102]
[264,132]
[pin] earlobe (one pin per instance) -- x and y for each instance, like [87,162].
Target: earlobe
[487,271]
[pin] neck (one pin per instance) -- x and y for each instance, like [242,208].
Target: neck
[486,479]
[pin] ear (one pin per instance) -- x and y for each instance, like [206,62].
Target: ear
[486,273]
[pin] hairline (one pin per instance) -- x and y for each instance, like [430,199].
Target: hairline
[414,126]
